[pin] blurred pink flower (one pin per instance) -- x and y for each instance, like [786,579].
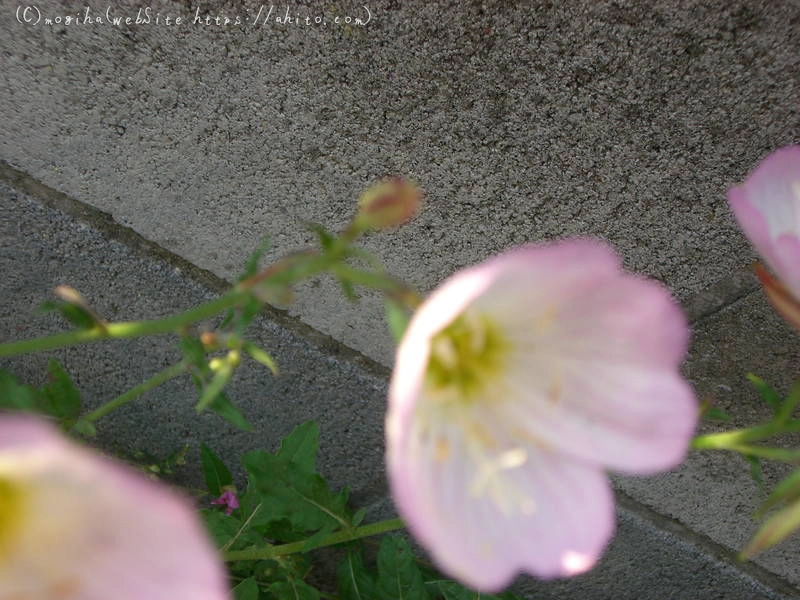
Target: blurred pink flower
[76,525]
[229,500]
[517,383]
[767,207]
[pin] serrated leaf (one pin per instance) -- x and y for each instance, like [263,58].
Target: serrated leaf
[399,577]
[246,590]
[301,446]
[287,492]
[787,490]
[215,472]
[293,590]
[769,395]
[61,396]
[228,411]
[397,318]
[355,582]
[288,487]
[228,532]
[777,528]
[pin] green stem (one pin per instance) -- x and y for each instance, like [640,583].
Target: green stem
[347,535]
[780,454]
[130,329]
[728,440]
[135,392]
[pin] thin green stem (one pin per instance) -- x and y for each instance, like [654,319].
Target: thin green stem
[130,329]
[728,440]
[135,392]
[339,537]
[780,454]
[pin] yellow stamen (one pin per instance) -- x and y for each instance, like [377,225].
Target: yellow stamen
[12,505]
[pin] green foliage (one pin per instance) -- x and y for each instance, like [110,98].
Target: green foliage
[399,577]
[228,411]
[251,266]
[397,317]
[215,473]
[246,590]
[293,590]
[355,581]
[769,395]
[289,490]
[58,398]
[77,315]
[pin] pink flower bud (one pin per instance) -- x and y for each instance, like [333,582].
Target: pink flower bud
[388,203]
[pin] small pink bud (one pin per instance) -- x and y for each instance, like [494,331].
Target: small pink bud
[229,500]
[388,203]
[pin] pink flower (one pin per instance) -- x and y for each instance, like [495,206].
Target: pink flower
[767,207]
[518,382]
[229,500]
[75,525]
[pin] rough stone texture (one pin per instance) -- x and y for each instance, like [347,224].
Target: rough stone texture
[650,558]
[522,121]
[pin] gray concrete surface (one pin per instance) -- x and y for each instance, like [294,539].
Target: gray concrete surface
[651,557]
[521,120]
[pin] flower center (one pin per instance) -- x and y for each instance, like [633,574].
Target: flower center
[12,495]
[466,358]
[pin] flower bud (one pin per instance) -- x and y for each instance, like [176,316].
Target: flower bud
[388,203]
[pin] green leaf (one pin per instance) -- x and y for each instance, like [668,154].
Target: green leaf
[213,389]
[194,351]
[301,445]
[226,409]
[289,489]
[215,472]
[251,266]
[262,356]
[246,590]
[326,238]
[399,577]
[228,532]
[249,310]
[788,406]
[777,528]
[78,316]
[769,395]
[450,590]
[717,414]
[293,590]
[397,317]
[355,582]
[786,490]
[17,396]
[60,394]
[358,517]
[755,471]
[84,427]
